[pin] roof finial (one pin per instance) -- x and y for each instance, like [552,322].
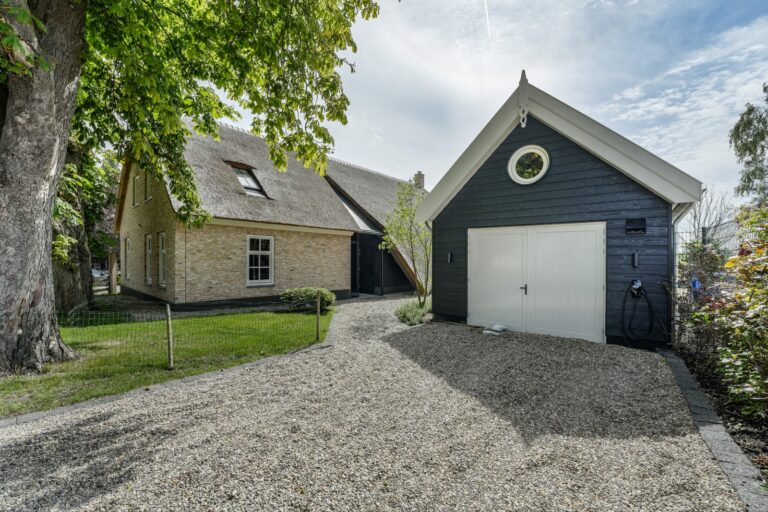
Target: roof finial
[522,99]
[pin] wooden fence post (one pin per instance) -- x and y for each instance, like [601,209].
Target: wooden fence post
[169,335]
[317,318]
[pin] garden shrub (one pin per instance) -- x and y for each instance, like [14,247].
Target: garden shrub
[740,316]
[306,298]
[412,314]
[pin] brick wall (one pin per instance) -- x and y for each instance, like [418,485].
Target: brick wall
[211,263]
[215,267]
[150,217]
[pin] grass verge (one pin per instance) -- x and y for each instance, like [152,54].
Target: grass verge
[118,357]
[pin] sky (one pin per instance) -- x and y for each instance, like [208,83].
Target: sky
[672,76]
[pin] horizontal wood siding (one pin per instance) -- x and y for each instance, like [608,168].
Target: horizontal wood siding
[579,187]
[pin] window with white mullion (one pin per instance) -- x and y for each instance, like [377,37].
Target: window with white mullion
[261,260]
[161,259]
[148,260]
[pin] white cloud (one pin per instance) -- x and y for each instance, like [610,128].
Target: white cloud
[429,77]
[685,114]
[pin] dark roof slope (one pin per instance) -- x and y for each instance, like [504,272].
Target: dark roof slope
[374,192]
[297,197]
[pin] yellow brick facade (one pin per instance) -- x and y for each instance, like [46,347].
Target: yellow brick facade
[211,263]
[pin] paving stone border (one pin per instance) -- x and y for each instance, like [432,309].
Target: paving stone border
[330,339]
[737,467]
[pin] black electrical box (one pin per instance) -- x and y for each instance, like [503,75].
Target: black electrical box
[635,226]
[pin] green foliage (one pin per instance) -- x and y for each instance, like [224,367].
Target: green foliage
[749,140]
[412,239]
[306,298]
[413,313]
[156,69]
[86,191]
[740,317]
[18,58]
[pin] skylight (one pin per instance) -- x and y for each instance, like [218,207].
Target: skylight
[249,182]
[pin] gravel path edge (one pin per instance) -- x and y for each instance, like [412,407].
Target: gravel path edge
[742,475]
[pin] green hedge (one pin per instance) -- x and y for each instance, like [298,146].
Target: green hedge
[306,298]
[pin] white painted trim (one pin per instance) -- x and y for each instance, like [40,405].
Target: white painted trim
[219,221]
[512,164]
[652,172]
[271,254]
[161,260]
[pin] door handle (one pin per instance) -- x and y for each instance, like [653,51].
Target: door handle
[525,288]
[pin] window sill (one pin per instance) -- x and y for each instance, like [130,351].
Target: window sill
[260,285]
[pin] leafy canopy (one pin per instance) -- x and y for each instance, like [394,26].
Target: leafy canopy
[411,238]
[749,139]
[154,69]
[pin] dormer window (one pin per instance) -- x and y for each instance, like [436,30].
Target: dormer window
[248,180]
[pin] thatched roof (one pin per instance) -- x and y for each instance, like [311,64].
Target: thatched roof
[297,197]
[374,192]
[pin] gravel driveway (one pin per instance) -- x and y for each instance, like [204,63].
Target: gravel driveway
[428,418]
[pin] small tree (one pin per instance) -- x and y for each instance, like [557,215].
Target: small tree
[412,239]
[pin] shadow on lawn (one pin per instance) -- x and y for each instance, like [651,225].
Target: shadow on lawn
[546,385]
[73,464]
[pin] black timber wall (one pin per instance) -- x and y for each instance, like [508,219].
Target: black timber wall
[377,265]
[579,187]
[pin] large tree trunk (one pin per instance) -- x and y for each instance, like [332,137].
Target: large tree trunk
[33,142]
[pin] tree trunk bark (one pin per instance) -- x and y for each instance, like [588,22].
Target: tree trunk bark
[33,143]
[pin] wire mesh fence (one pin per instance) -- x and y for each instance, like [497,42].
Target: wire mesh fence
[151,337]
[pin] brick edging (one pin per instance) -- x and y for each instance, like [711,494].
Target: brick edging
[742,475]
[330,340]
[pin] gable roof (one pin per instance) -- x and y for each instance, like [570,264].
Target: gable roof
[374,192]
[657,175]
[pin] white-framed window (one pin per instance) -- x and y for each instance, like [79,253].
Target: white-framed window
[249,182]
[147,187]
[148,260]
[528,164]
[135,190]
[161,259]
[261,261]
[126,274]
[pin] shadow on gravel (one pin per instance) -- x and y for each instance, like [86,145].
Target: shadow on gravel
[548,385]
[69,466]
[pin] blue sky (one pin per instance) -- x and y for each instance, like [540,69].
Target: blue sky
[672,76]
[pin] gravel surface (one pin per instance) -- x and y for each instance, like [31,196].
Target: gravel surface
[436,417]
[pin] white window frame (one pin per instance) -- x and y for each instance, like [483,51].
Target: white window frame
[148,260]
[161,259]
[127,276]
[270,253]
[512,164]
[147,187]
[134,190]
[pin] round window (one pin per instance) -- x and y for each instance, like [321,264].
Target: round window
[528,165]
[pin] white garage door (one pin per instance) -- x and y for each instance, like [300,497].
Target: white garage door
[541,279]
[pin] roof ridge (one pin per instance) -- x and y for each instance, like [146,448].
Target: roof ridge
[233,127]
[366,169]
[331,158]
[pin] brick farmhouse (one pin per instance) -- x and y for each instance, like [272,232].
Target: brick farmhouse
[270,230]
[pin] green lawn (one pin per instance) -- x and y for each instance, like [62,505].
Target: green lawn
[118,357]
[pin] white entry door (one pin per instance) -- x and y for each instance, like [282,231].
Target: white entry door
[541,279]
